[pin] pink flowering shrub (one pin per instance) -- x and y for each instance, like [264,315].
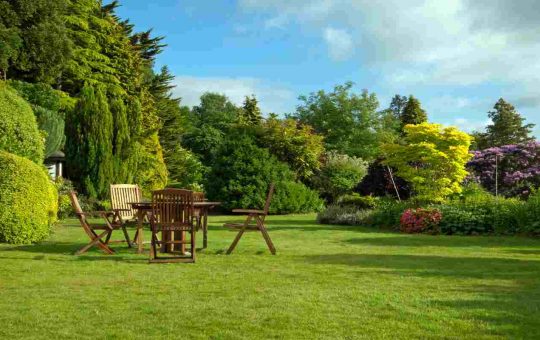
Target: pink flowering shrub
[420,220]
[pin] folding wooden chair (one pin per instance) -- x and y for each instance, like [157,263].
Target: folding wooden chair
[112,223]
[121,197]
[172,216]
[254,221]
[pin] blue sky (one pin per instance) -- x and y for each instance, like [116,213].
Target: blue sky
[457,56]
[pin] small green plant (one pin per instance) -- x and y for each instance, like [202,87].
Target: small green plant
[358,201]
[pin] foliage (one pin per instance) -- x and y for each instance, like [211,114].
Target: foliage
[339,175]
[382,181]
[528,217]
[432,159]
[211,121]
[358,201]
[184,168]
[242,172]
[50,107]
[152,174]
[19,133]
[344,215]
[295,144]
[509,170]
[507,127]
[349,122]
[420,220]
[34,43]
[250,113]
[28,200]
[388,213]
[90,132]
[413,113]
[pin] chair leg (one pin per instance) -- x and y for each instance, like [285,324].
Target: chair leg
[97,241]
[193,250]
[239,235]
[108,237]
[266,236]
[126,236]
[205,229]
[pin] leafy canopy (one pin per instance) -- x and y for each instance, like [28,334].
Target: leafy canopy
[432,158]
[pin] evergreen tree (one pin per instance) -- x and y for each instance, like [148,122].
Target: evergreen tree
[90,132]
[397,105]
[413,113]
[250,114]
[507,127]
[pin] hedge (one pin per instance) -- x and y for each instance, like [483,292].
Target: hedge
[28,200]
[19,133]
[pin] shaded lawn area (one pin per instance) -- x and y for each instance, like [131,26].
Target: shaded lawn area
[325,282]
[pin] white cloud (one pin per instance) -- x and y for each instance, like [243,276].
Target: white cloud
[340,43]
[272,98]
[428,42]
[470,125]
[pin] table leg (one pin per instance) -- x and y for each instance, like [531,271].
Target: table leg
[205,228]
[140,221]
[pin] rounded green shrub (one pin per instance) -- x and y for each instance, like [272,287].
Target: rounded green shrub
[19,133]
[28,200]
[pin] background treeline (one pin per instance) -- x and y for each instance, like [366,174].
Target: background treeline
[77,78]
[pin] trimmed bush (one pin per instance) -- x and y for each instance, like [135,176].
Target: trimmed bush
[347,215]
[358,201]
[19,133]
[420,221]
[28,200]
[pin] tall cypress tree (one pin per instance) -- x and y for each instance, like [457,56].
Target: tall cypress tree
[413,113]
[90,131]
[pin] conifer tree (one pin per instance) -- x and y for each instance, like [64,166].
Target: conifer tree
[413,113]
[507,127]
[251,114]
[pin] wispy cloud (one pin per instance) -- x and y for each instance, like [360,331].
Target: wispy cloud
[340,43]
[272,97]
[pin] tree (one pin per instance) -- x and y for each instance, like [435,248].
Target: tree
[242,172]
[34,42]
[432,158]
[250,113]
[295,144]
[90,150]
[507,127]
[397,105]
[339,175]
[349,122]
[211,121]
[413,113]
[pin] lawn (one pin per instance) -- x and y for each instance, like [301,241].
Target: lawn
[325,282]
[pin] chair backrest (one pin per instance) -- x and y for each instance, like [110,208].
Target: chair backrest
[78,210]
[172,209]
[122,195]
[269,198]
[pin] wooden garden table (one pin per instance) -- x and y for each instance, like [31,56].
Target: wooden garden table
[145,207]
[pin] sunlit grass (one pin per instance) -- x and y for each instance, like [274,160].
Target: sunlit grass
[325,282]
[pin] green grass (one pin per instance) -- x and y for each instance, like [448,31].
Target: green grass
[325,282]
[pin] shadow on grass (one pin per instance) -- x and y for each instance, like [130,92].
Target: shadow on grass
[404,240]
[429,265]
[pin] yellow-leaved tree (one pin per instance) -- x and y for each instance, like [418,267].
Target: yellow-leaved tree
[432,158]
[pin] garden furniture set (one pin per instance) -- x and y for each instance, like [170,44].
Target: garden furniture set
[173,214]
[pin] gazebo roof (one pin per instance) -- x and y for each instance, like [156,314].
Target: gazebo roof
[56,156]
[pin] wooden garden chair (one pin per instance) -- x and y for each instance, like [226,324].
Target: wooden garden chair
[172,216]
[112,222]
[254,221]
[198,215]
[121,197]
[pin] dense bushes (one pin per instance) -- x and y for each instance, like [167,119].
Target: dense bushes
[28,200]
[242,173]
[19,133]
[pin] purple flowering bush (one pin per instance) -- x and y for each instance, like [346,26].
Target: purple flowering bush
[517,166]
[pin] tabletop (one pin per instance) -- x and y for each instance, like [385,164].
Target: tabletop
[148,204]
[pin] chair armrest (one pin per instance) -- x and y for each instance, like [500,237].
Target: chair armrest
[249,211]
